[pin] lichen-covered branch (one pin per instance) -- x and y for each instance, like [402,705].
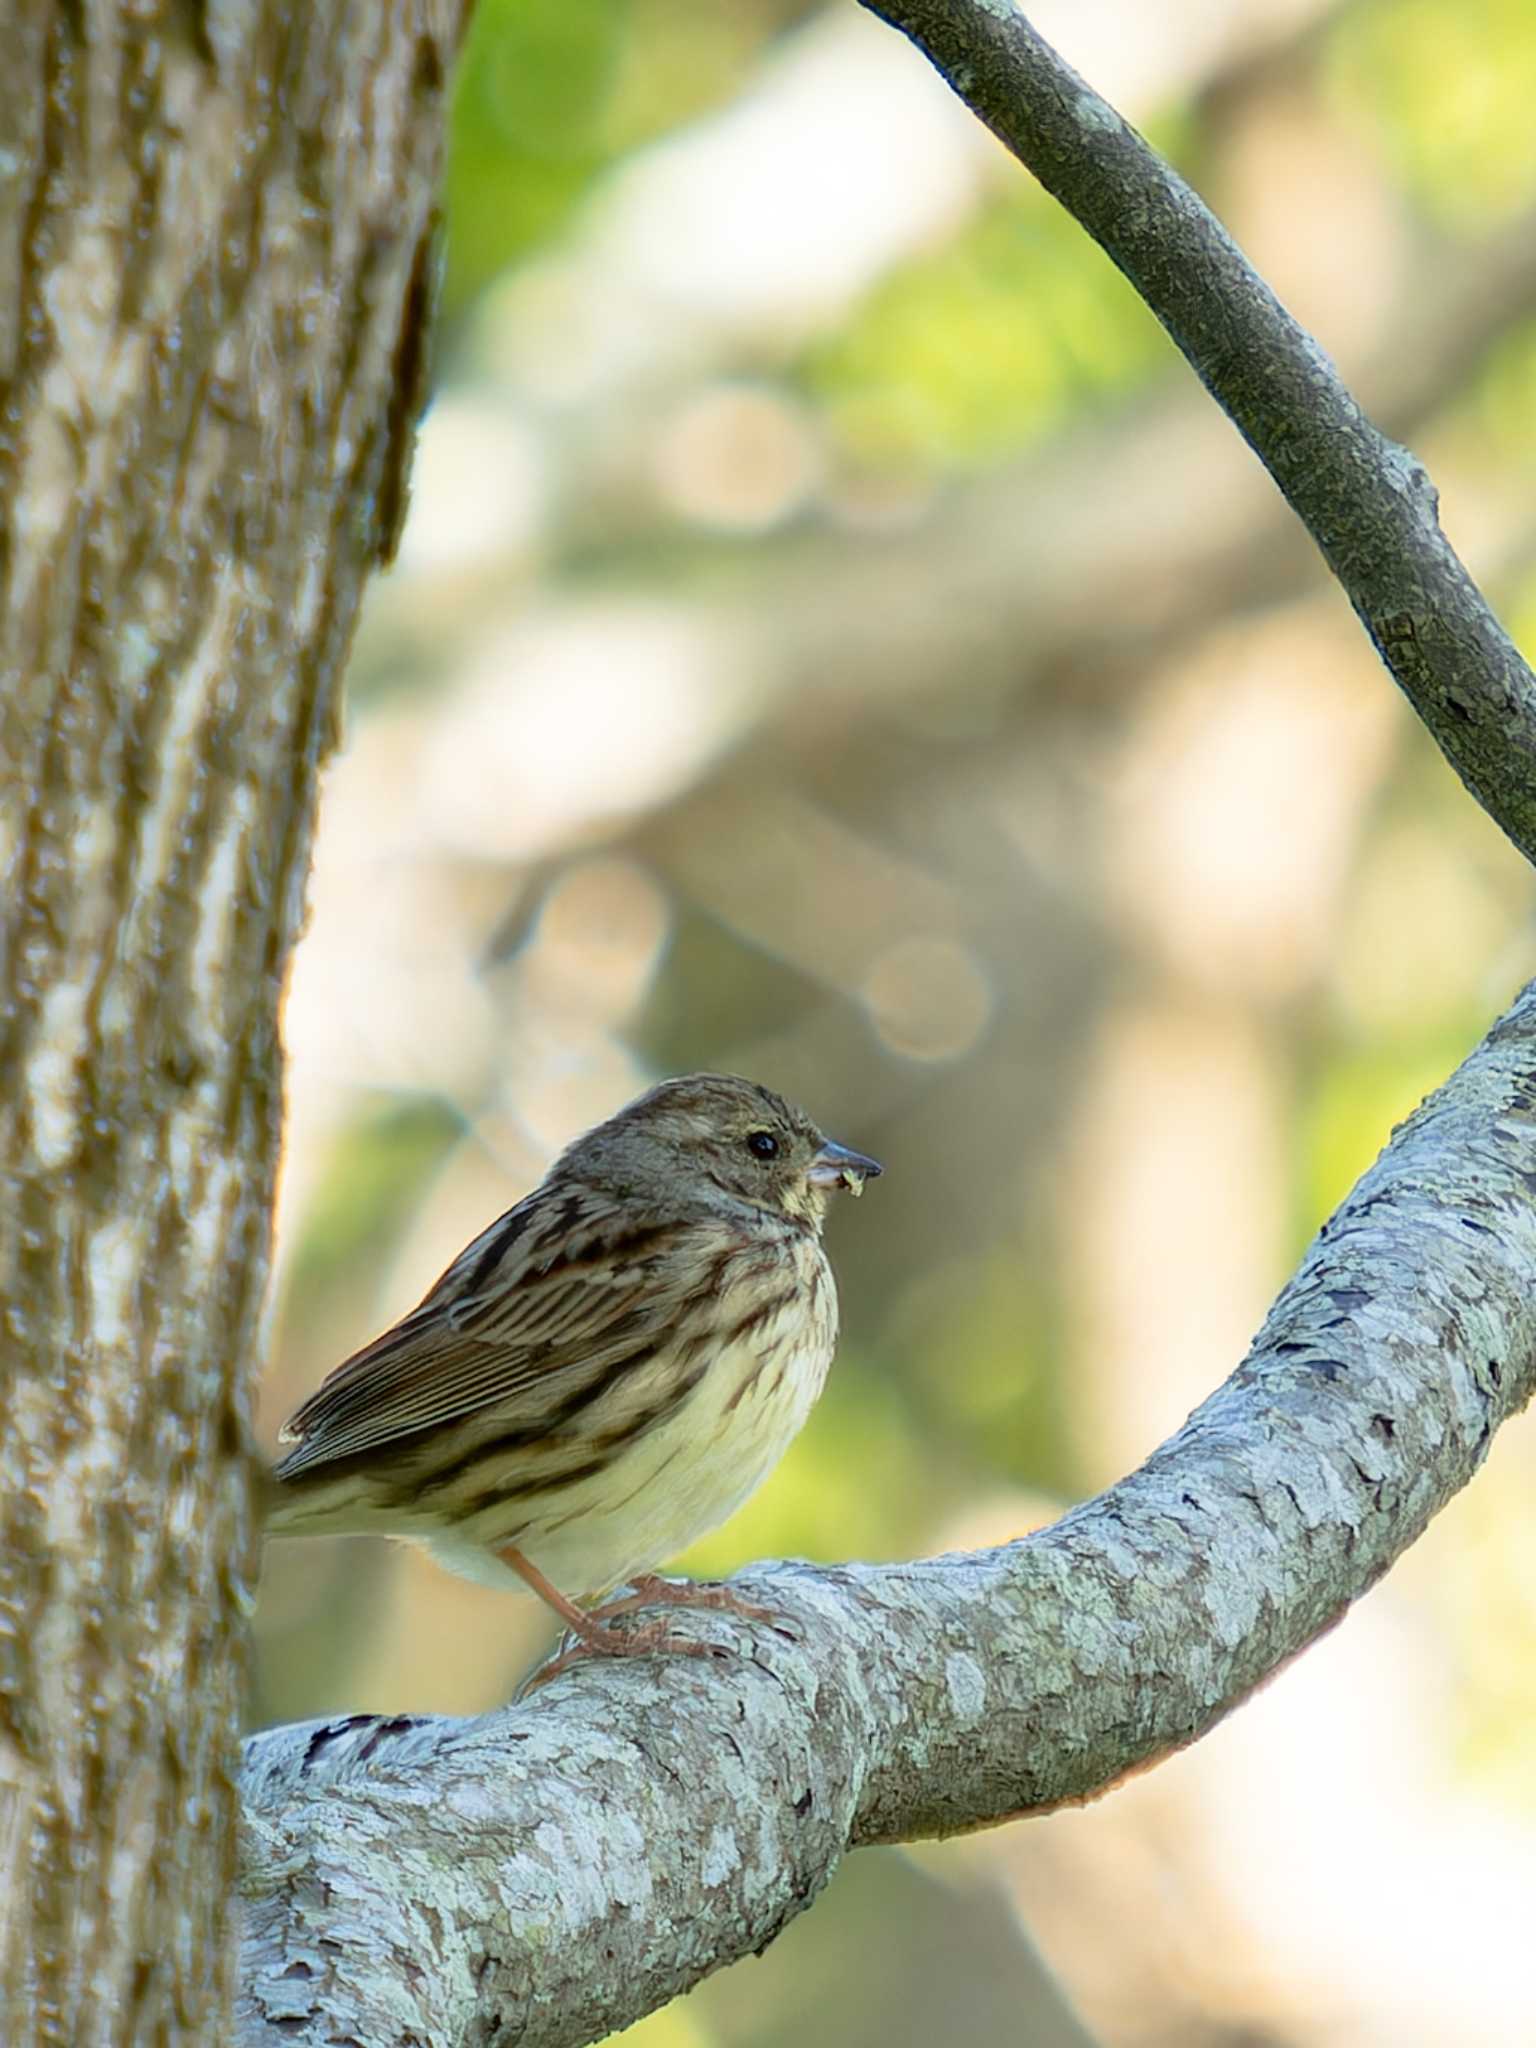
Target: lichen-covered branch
[561,1867]
[1367,503]
[212,225]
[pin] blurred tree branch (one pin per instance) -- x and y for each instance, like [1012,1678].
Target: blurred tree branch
[211,330]
[1367,503]
[1010,581]
[569,1863]
[1005,579]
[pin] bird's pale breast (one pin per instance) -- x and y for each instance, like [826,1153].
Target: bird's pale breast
[671,1480]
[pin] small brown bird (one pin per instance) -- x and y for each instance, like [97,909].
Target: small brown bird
[606,1372]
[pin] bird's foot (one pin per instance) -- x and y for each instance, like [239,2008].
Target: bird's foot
[648,1590]
[596,1637]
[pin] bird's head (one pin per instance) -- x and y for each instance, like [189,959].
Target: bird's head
[710,1136]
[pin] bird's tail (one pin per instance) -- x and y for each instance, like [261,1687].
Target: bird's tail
[311,1506]
[272,1499]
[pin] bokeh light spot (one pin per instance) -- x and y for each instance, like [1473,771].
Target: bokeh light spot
[598,940]
[738,456]
[929,997]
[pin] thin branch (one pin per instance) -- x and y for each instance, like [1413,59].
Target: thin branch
[569,1863]
[1368,504]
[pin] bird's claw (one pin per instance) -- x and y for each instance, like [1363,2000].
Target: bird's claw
[598,1638]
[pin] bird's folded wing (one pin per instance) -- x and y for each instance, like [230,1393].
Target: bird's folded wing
[523,1319]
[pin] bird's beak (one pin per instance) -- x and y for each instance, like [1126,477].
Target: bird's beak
[836,1167]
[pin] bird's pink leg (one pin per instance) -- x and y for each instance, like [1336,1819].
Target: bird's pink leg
[595,1637]
[650,1591]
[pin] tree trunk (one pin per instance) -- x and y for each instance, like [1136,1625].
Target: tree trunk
[215,247]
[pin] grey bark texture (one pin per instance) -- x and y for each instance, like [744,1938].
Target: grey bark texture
[212,274]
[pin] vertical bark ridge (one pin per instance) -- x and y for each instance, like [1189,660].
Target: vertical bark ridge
[211,248]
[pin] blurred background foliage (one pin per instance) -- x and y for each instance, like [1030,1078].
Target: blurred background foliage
[835,640]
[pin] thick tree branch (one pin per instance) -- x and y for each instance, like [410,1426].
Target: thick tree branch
[567,1864]
[1366,502]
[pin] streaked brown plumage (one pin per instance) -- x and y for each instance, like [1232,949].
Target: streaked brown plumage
[607,1371]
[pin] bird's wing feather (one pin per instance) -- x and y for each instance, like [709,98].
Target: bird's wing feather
[553,1294]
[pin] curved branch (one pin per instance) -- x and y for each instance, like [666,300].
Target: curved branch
[1368,504]
[569,1863]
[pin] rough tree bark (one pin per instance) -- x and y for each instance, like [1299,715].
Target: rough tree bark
[215,247]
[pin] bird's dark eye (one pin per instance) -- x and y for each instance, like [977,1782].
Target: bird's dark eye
[763,1145]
